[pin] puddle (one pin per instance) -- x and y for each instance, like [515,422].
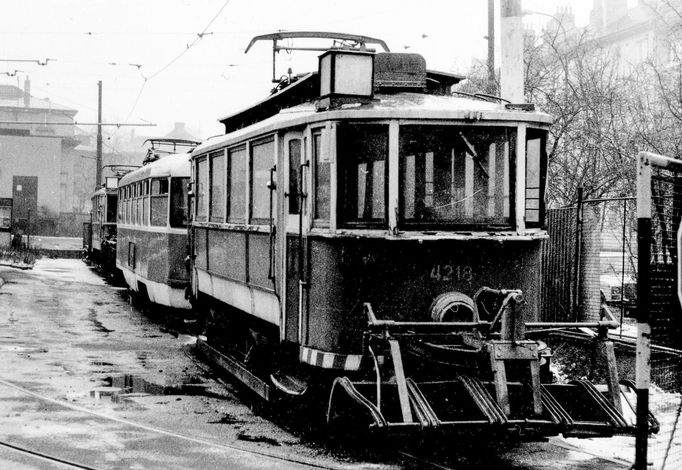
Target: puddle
[134,384]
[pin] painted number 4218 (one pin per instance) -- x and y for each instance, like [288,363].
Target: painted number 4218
[450,272]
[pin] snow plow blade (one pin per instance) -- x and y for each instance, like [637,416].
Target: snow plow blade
[467,404]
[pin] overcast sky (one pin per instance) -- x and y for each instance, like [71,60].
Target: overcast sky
[156,68]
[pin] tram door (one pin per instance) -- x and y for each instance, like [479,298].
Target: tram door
[293,239]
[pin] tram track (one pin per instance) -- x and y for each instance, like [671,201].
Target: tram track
[43,456]
[415,461]
[275,456]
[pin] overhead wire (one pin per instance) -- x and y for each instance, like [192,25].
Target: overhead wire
[146,80]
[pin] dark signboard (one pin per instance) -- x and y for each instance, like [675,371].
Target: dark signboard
[5,214]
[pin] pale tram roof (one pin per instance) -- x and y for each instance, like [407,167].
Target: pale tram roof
[407,106]
[174,165]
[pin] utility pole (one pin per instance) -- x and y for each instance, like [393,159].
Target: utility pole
[511,41]
[98,177]
[491,47]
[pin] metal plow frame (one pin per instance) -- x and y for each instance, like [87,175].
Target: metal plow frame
[400,404]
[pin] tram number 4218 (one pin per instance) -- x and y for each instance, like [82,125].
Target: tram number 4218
[452,272]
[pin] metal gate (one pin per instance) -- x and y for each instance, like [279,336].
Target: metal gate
[659,314]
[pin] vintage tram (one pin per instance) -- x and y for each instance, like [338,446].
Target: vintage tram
[366,233]
[152,226]
[100,238]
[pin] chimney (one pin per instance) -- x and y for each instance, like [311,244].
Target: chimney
[27,92]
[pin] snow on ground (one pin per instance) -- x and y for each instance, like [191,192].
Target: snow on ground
[54,243]
[71,270]
[665,407]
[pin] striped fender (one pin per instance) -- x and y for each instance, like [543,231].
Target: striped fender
[327,360]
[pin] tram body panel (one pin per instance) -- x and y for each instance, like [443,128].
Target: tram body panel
[232,266]
[400,278]
[155,258]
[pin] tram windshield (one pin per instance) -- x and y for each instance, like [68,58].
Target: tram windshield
[455,175]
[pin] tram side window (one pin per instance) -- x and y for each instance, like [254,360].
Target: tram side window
[322,180]
[119,210]
[111,207]
[122,205]
[127,204]
[201,200]
[536,159]
[262,159]
[140,200]
[294,175]
[134,188]
[236,185]
[362,157]
[159,212]
[178,209]
[454,175]
[217,176]
[145,202]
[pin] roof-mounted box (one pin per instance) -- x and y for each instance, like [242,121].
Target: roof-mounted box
[345,77]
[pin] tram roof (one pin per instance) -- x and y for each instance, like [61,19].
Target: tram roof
[405,106]
[174,165]
[102,191]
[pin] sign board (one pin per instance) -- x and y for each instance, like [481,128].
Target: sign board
[5,214]
[111,182]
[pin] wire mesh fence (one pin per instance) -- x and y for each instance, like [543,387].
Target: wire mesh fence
[665,318]
[590,261]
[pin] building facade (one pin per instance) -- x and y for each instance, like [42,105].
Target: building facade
[39,168]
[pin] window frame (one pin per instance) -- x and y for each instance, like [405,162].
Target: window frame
[510,224]
[212,156]
[270,139]
[240,217]
[342,161]
[197,187]
[543,135]
[162,194]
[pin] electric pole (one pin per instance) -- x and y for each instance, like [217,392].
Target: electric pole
[511,42]
[491,47]
[98,177]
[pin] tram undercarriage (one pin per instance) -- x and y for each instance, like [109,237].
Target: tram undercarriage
[463,376]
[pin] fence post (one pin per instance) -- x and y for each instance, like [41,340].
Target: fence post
[622,266]
[643,355]
[577,254]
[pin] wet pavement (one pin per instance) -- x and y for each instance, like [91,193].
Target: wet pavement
[88,378]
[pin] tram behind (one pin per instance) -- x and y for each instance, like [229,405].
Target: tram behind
[152,230]
[366,233]
[101,246]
